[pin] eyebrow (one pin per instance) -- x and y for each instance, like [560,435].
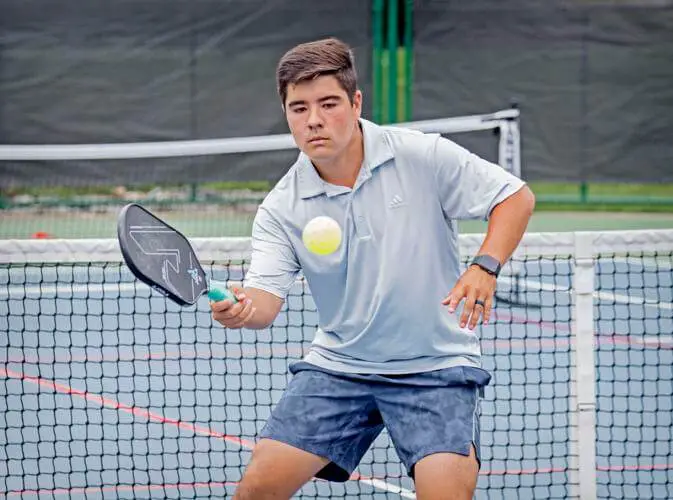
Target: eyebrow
[322,99]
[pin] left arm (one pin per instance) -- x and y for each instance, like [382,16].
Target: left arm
[507,223]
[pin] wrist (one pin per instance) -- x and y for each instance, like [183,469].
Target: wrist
[487,263]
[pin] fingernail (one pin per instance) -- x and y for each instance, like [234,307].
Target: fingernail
[451,309]
[248,301]
[462,325]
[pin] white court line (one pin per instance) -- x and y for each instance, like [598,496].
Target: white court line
[661,341]
[20,291]
[156,417]
[382,485]
[30,291]
[607,296]
[649,263]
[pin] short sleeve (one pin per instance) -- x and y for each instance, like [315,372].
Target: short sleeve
[273,265]
[469,186]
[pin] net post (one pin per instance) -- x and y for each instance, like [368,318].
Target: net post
[509,145]
[377,56]
[393,45]
[583,397]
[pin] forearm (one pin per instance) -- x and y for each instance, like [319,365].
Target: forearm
[507,224]
[267,306]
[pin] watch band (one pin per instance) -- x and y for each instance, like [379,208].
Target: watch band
[489,264]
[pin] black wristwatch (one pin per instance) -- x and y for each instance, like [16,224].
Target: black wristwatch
[489,264]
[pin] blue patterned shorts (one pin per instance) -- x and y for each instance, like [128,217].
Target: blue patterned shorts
[338,415]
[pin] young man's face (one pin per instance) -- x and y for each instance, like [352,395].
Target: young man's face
[321,117]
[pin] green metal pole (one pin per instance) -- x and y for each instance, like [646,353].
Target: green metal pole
[377,54]
[584,192]
[408,56]
[392,61]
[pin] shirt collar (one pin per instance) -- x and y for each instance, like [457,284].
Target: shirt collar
[377,152]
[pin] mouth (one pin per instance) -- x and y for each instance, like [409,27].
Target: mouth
[315,140]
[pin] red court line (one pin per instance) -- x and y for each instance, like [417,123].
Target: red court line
[275,350]
[120,489]
[622,468]
[247,352]
[251,351]
[563,326]
[133,410]
[356,476]
[612,338]
[522,472]
[551,470]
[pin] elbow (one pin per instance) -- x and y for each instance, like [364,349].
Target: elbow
[529,198]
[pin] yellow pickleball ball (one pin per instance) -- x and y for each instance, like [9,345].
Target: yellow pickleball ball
[322,235]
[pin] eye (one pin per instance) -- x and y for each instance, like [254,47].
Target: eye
[329,105]
[299,109]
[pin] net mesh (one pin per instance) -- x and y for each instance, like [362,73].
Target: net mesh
[109,390]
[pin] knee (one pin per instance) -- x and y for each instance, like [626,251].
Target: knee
[248,490]
[257,486]
[254,487]
[276,471]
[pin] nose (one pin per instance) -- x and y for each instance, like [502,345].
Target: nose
[314,118]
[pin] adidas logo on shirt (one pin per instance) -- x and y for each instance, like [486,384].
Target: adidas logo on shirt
[396,202]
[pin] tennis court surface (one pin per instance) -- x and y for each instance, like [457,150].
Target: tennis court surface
[108,390]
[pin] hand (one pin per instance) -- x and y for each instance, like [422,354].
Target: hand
[233,314]
[477,287]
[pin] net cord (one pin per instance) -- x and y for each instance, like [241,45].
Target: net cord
[203,147]
[231,248]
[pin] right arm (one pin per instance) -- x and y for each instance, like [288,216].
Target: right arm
[273,271]
[255,309]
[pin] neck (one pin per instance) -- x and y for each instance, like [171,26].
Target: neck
[344,169]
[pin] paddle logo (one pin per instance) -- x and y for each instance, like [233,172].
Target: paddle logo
[196,277]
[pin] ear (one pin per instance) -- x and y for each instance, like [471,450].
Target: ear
[357,102]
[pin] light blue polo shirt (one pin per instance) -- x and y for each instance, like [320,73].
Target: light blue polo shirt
[379,296]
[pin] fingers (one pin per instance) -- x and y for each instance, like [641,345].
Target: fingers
[221,306]
[233,314]
[455,296]
[488,305]
[468,309]
[245,317]
[478,303]
[482,307]
[241,318]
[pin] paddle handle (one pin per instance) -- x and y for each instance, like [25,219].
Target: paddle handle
[216,294]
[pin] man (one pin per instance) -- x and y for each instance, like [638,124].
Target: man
[392,348]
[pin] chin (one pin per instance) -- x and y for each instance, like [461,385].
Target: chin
[318,151]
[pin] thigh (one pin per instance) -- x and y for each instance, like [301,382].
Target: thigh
[446,476]
[276,471]
[328,416]
[441,416]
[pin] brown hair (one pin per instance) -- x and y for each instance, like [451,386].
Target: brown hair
[313,59]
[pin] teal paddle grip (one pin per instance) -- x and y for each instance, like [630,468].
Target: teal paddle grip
[218,294]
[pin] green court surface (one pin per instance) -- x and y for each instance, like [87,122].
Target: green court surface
[586,221]
[221,222]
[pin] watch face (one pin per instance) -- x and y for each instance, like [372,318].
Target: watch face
[488,263]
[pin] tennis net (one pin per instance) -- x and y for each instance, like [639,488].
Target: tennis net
[208,187]
[108,390]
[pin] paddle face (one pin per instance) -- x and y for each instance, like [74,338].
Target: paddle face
[160,256]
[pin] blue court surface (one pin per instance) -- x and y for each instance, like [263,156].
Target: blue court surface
[107,390]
